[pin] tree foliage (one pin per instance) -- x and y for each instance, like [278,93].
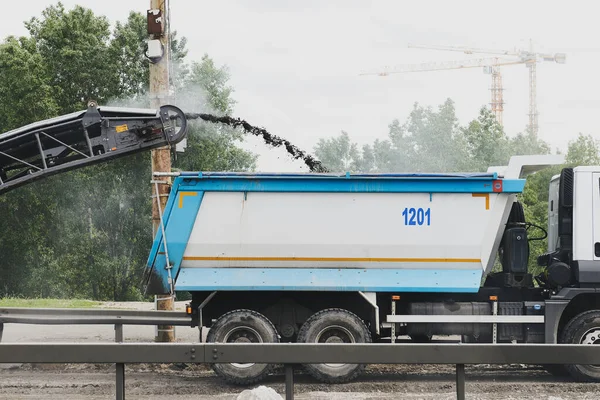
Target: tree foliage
[25,90]
[585,150]
[75,46]
[339,153]
[125,52]
[430,140]
[87,233]
[486,142]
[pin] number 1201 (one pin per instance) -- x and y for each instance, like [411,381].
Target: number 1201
[416,216]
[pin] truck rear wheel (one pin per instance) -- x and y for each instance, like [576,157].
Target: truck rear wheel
[242,326]
[334,325]
[583,329]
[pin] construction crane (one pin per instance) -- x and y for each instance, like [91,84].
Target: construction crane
[491,65]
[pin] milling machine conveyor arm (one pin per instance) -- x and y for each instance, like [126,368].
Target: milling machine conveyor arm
[83,138]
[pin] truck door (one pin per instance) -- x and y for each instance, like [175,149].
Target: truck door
[596,214]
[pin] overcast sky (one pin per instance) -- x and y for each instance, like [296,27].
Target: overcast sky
[294,65]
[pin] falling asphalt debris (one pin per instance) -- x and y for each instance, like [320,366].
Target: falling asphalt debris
[313,164]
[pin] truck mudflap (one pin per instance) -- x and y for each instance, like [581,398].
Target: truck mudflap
[84,138]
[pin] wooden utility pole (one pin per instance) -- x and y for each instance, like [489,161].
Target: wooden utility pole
[158,29]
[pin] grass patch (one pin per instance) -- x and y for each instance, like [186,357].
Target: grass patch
[48,303]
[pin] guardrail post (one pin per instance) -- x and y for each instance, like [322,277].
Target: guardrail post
[289,382]
[1,330]
[120,367]
[118,333]
[460,381]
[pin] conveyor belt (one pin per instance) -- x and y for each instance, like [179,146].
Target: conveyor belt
[83,138]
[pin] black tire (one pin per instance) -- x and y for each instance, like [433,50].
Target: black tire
[583,329]
[242,326]
[334,325]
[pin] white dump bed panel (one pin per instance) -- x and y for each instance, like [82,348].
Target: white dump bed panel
[345,230]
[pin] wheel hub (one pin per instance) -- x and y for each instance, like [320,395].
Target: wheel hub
[591,337]
[242,334]
[335,334]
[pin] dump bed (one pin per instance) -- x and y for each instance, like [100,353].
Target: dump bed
[379,233]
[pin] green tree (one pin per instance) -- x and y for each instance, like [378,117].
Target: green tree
[126,52]
[25,91]
[429,141]
[398,153]
[105,228]
[528,144]
[338,154]
[585,150]
[439,145]
[75,48]
[25,96]
[87,233]
[26,226]
[486,141]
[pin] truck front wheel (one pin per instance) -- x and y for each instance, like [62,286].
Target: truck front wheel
[583,329]
[242,326]
[334,325]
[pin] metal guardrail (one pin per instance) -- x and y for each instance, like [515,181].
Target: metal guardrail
[298,353]
[294,354]
[92,316]
[88,316]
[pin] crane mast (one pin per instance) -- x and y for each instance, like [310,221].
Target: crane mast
[533,113]
[497,90]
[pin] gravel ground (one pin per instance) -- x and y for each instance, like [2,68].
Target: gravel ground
[183,382]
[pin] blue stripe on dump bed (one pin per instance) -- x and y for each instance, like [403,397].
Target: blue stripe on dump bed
[352,185]
[257,175]
[348,183]
[306,279]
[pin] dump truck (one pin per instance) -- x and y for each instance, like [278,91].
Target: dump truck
[361,258]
